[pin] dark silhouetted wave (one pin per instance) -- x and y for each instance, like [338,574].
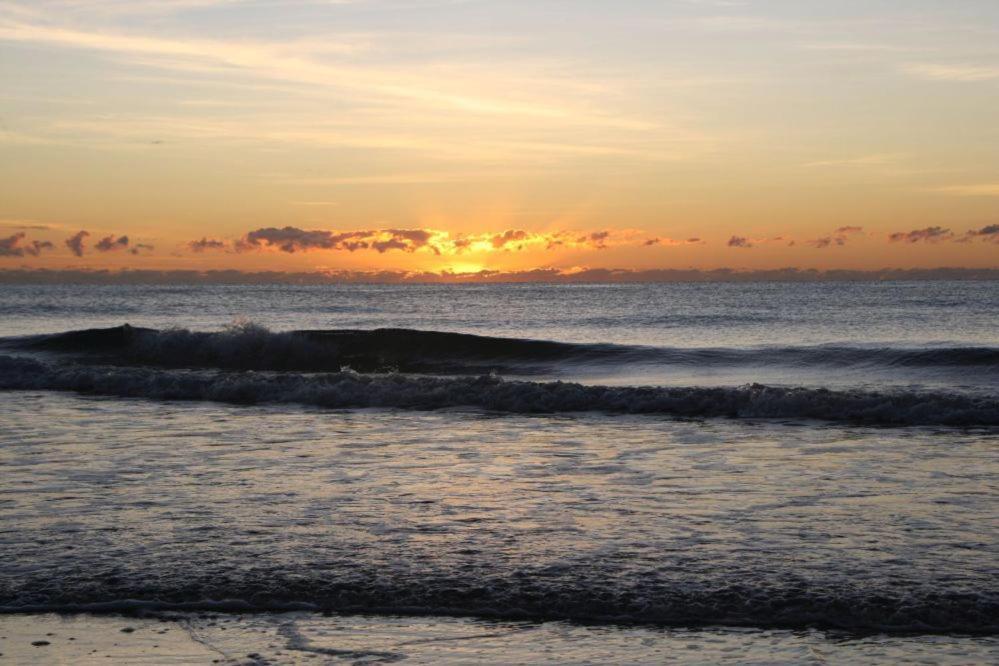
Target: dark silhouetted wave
[354,390]
[250,347]
[600,595]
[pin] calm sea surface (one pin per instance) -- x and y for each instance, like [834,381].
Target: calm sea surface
[604,472]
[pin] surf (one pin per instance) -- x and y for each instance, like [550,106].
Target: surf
[248,346]
[349,389]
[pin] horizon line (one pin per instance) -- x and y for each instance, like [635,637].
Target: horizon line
[128,276]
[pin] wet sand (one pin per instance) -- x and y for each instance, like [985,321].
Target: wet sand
[309,638]
[89,639]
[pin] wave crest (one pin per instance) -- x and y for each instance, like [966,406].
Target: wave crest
[251,347]
[526,594]
[353,390]
[248,346]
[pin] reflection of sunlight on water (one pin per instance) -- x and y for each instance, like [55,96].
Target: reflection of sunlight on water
[671,315]
[167,496]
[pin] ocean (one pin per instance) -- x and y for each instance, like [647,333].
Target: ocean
[698,473]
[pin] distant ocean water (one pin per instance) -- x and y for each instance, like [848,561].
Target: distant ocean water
[766,455]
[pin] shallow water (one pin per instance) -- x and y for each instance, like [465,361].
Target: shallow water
[590,517]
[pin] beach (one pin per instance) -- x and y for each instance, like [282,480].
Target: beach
[306,638]
[313,487]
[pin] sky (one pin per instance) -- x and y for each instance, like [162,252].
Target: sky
[497,137]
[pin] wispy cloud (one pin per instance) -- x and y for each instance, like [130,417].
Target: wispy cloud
[839,237]
[745,242]
[966,73]
[744,23]
[26,225]
[875,159]
[926,235]
[281,62]
[320,131]
[975,190]
[398,179]
[122,8]
[862,47]
[671,242]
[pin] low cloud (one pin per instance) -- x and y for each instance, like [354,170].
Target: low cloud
[550,275]
[989,234]
[671,242]
[406,240]
[745,242]
[140,248]
[111,244]
[16,246]
[206,244]
[836,238]
[927,235]
[293,240]
[75,242]
[510,237]
[596,240]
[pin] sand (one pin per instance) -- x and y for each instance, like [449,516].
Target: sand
[88,639]
[310,638]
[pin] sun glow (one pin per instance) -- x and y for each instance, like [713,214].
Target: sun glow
[465,267]
[315,132]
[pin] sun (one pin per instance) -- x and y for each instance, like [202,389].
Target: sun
[465,267]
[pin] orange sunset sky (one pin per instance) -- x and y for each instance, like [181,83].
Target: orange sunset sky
[470,135]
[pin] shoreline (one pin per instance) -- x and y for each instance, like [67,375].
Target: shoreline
[305,637]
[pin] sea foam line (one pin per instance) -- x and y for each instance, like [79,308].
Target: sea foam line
[908,611]
[352,390]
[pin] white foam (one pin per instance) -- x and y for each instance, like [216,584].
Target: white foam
[353,390]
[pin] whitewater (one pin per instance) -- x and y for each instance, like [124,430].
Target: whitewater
[766,470]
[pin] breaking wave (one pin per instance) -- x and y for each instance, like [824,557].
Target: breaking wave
[527,594]
[251,347]
[354,390]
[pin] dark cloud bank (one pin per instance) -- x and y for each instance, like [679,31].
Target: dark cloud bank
[594,275]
